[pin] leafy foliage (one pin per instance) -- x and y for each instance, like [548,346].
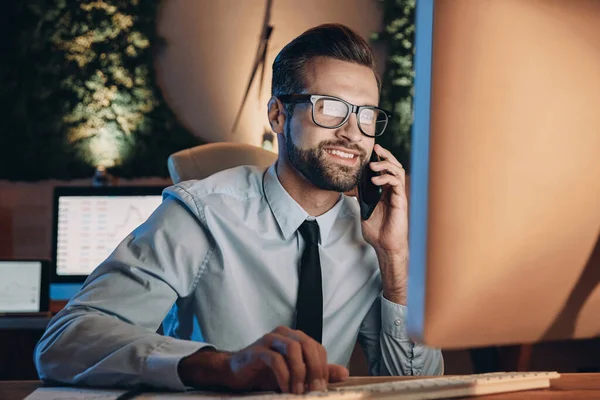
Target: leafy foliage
[80,91]
[397,82]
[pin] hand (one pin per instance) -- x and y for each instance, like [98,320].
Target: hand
[387,228]
[284,359]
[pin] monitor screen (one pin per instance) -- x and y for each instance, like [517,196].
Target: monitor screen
[91,222]
[505,179]
[23,286]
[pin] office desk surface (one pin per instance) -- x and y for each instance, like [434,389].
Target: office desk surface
[569,386]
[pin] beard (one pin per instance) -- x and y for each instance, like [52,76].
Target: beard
[316,167]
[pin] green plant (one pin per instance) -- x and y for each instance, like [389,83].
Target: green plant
[82,92]
[398,36]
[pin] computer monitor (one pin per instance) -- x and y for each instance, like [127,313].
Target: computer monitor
[505,182]
[24,286]
[89,223]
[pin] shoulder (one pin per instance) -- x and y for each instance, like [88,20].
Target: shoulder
[234,184]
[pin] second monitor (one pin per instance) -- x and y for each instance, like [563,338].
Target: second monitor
[89,223]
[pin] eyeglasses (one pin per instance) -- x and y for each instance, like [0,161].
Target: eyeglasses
[332,112]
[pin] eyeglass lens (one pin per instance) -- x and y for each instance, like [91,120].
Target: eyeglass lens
[331,113]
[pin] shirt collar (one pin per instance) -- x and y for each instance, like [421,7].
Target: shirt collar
[289,214]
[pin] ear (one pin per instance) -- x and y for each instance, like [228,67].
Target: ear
[276,114]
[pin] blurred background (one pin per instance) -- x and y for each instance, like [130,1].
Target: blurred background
[124,84]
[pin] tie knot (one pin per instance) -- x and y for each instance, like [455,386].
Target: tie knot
[310,231]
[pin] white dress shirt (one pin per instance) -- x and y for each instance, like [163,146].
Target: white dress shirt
[217,264]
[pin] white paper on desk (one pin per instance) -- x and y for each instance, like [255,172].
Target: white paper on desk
[69,393]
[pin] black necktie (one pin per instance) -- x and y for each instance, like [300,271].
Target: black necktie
[309,307]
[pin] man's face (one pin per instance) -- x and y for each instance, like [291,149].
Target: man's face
[331,159]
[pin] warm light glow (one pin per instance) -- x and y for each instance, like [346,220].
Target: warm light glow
[113,100]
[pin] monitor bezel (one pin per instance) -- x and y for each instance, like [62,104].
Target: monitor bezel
[91,191]
[419,194]
[44,293]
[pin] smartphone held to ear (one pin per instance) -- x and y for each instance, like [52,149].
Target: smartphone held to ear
[369,193]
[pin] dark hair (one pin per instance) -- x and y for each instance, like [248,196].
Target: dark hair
[328,40]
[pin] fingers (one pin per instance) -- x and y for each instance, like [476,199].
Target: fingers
[314,358]
[385,154]
[292,350]
[396,188]
[323,361]
[278,366]
[337,373]
[286,358]
[388,167]
[393,173]
[388,162]
[386,180]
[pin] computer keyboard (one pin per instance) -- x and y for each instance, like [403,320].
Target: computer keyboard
[443,387]
[446,386]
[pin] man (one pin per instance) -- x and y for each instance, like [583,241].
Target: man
[275,267]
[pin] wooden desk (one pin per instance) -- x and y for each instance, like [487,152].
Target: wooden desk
[569,386]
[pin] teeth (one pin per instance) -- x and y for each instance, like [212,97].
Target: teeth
[340,153]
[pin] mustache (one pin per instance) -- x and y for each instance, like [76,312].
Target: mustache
[344,145]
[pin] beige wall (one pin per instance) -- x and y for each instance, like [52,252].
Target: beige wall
[211,46]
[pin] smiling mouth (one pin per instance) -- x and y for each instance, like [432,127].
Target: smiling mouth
[342,154]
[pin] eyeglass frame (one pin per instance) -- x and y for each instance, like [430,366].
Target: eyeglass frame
[313,98]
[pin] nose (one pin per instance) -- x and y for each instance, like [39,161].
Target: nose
[349,130]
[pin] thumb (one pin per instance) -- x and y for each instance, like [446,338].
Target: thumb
[337,373]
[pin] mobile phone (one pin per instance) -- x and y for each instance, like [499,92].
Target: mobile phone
[369,193]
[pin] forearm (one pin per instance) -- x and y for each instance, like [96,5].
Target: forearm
[393,269]
[106,335]
[399,354]
[405,358]
[85,347]
[388,348]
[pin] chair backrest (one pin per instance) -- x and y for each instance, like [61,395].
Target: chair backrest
[202,161]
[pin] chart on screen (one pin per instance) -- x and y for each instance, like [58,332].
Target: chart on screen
[19,286]
[90,228]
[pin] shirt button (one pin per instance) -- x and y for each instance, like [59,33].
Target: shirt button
[397,322]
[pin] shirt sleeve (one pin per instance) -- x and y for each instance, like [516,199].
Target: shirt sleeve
[106,334]
[389,350]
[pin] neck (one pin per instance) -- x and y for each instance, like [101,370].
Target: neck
[315,201]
